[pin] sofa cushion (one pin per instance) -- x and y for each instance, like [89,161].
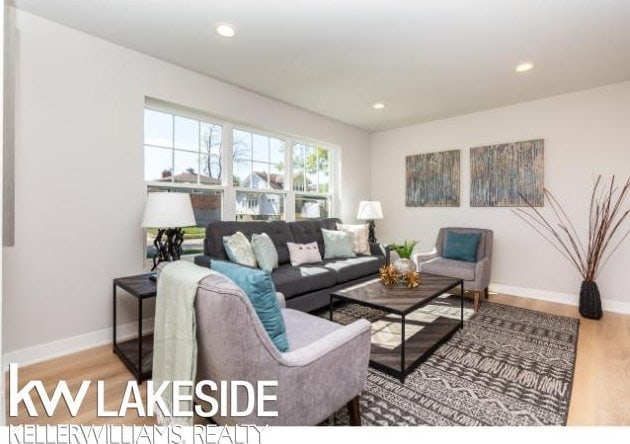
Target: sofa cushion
[449,267]
[461,246]
[293,281]
[260,290]
[353,268]
[337,244]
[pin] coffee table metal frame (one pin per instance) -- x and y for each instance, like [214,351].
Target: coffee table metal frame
[406,370]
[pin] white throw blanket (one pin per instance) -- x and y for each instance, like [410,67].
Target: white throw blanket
[174,341]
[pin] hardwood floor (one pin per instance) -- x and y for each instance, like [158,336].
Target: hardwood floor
[600,396]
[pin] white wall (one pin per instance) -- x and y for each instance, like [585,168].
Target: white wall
[2,12]
[79,175]
[586,134]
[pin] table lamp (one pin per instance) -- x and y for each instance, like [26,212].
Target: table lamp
[168,212]
[370,210]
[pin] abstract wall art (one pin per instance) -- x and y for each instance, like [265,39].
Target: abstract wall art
[432,179]
[498,173]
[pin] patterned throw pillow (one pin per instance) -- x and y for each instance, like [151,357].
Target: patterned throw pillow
[360,234]
[265,252]
[239,250]
[304,253]
[337,244]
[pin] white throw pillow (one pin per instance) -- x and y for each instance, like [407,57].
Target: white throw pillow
[360,234]
[304,253]
[239,250]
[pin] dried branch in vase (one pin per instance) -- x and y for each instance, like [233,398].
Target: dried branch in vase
[605,233]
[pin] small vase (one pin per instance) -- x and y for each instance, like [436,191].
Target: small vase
[404,266]
[590,300]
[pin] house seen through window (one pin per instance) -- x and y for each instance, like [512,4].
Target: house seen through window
[258,165]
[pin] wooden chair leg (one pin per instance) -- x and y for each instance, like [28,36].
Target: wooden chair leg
[354,409]
[485,291]
[476,300]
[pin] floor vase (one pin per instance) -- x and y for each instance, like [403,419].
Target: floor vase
[590,300]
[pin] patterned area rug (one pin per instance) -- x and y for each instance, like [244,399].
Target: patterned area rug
[507,367]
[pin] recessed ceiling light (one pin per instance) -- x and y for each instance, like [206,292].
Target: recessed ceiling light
[524,67]
[226,30]
[378,105]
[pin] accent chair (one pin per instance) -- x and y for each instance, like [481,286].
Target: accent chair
[324,370]
[475,273]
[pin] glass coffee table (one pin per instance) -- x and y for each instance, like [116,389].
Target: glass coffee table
[407,336]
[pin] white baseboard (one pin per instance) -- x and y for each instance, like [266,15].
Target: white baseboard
[61,347]
[560,298]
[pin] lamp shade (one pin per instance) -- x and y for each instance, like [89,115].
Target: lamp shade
[369,210]
[168,210]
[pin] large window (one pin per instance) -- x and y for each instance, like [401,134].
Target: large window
[311,181]
[266,176]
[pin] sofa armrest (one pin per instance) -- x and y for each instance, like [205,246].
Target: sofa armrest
[377,249]
[418,258]
[203,260]
[355,337]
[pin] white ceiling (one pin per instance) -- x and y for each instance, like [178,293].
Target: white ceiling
[425,59]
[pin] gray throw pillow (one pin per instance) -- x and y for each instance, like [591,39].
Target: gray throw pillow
[265,252]
[337,244]
[239,250]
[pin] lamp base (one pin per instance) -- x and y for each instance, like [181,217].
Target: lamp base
[371,235]
[170,249]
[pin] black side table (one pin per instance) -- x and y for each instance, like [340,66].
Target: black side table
[136,353]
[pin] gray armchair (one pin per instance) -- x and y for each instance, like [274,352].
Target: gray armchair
[324,369]
[476,275]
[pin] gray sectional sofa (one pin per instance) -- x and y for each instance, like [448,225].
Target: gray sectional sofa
[307,287]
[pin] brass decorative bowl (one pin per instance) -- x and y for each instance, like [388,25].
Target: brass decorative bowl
[391,277]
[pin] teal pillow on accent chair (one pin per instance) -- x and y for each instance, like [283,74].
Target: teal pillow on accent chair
[259,288]
[461,246]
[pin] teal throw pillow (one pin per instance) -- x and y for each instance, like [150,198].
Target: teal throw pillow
[265,252]
[239,250]
[461,246]
[259,287]
[337,244]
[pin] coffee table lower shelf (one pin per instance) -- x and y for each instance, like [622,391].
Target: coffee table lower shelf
[418,348]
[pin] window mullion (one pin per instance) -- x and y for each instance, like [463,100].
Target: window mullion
[173,151]
[227,153]
[199,153]
[289,200]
